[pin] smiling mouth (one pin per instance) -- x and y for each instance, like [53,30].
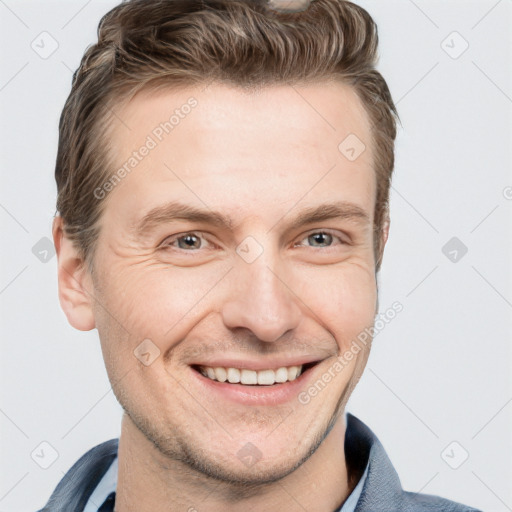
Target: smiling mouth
[247,377]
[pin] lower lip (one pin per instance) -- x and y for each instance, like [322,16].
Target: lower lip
[255,395]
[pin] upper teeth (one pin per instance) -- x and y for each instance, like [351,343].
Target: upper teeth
[248,377]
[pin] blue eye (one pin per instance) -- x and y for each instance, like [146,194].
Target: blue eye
[321,240]
[187,242]
[191,242]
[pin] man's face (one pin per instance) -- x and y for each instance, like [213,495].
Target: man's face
[254,283]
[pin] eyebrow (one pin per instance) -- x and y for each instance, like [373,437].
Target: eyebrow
[174,211]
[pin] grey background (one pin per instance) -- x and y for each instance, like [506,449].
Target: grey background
[439,372]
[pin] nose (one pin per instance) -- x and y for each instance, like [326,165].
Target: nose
[260,301]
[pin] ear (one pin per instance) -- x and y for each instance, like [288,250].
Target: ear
[383,238]
[75,284]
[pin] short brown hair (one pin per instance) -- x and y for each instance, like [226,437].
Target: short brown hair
[245,43]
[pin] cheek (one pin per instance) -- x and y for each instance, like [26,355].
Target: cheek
[154,300]
[343,300]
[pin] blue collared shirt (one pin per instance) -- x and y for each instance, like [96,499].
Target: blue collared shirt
[92,480]
[102,499]
[106,489]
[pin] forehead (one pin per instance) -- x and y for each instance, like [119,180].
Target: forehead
[226,146]
[322,108]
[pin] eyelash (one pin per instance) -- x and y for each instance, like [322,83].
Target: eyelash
[169,241]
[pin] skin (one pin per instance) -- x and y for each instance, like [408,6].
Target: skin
[260,159]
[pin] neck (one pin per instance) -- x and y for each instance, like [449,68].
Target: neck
[148,480]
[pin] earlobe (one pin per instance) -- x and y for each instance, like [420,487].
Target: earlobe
[75,286]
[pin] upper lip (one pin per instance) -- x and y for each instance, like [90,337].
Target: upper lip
[256,365]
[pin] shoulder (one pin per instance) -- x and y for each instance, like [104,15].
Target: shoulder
[382,489]
[73,491]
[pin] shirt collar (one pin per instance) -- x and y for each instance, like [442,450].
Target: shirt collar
[359,442]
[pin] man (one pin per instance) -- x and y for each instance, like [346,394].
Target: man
[223,178]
